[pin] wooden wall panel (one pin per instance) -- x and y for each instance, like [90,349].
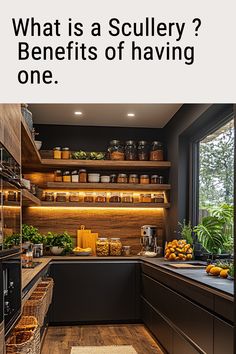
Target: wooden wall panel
[123,223]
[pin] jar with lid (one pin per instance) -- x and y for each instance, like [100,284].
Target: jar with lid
[58,176]
[61,197]
[88,197]
[49,197]
[115,247]
[161,180]
[105,179]
[75,176]
[156,153]
[154,179]
[102,247]
[94,177]
[133,178]
[126,251]
[158,198]
[113,178]
[116,150]
[115,198]
[144,179]
[101,198]
[122,178]
[66,176]
[82,176]
[130,150]
[127,198]
[65,153]
[12,196]
[57,152]
[74,197]
[143,150]
[145,198]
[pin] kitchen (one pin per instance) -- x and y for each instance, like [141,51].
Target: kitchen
[103,212]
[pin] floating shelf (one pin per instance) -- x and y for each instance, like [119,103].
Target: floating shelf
[105,205]
[109,186]
[28,199]
[29,154]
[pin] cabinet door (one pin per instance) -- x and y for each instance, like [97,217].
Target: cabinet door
[223,337]
[94,291]
[181,346]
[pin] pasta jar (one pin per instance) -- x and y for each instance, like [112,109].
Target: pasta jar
[143,153]
[74,197]
[82,176]
[49,197]
[57,152]
[65,153]
[145,198]
[102,247]
[58,176]
[156,153]
[115,247]
[115,198]
[116,150]
[144,179]
[158,198]
[66,176]
[89,197]
[126,251]
[133,179]
[127,198]
[130,150]
[122,178]
[101,198]
[61,197]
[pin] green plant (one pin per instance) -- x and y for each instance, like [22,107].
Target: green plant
[31,234]
[186,231]
[63,240]
[12,240]
[231,270]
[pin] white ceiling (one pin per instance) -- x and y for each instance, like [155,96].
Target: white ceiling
[146,115]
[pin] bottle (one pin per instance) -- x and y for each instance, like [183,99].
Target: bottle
[29,256]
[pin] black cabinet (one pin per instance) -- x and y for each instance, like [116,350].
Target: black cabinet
[223,337]
[95,291]
[182,346]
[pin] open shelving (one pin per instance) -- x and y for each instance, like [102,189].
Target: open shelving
[108,186]
[30,154]
[28,199]
[105,205]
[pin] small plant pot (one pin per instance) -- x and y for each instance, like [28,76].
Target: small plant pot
[56,251]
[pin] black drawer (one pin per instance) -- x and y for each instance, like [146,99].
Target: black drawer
[223,337]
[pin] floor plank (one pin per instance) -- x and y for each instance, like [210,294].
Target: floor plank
[59,340]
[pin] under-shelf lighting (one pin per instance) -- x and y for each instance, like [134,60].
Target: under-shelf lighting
[131,115]
[95,208]
[78,113]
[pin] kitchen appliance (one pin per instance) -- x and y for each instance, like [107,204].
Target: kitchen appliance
[148,239]
[10,204]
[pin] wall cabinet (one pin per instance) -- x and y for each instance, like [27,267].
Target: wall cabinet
[95,291]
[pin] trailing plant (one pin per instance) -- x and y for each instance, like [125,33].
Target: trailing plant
[63,240]
[186,231]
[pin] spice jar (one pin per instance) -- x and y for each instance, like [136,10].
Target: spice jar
[144,179]
[156,153]
[133,178]
[116,150]
[94,177]
[154,179]
[49,197]
[158,198]
[88,198]
[126,251]
[145,198]
[105,179]
[101,198]
[74,176]
[11,196]
[122,178]
[58,176]
[130,150]
[161,180]
[82,176]
[102,247]
[74,197]
[127,198]
[113,178]
[115,198]
[65,153]
[61,197]
[57,153]
[66,176]
[115,247]
[143,153]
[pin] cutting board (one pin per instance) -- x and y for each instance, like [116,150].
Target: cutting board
[186,266]
[89,240]
[81,234]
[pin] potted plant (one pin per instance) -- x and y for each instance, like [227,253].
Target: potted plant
[186,231]
[59,243]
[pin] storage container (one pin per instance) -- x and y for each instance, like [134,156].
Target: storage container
[82,176]
[156,153]
[116,150]
[65,154]
[130,150]
[102,247]
[143,150]
[115,247]
[57,152]
[94,177]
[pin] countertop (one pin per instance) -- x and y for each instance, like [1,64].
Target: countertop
[197,276]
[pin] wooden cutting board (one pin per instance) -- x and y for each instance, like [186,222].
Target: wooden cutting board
[186,266]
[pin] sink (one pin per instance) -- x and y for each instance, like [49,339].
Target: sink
[34,265]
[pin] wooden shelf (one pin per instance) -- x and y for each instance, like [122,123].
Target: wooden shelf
[28,199]
[106,205]
[109,186]
[105,164]
[30,154]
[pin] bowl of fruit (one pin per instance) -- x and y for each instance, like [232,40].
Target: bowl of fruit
[78,251]
[178,250]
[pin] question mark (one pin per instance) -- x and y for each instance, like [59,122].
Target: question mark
[199,22]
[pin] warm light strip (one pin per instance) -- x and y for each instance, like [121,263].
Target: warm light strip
[90,208]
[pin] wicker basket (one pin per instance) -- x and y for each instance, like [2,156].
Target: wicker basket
[21,343]
[46,286]
[36,306]
[30,323]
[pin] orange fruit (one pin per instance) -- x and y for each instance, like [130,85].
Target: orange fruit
[224,273]
[208,268]
[215,270]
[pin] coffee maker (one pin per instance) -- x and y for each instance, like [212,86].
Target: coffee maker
[148,239]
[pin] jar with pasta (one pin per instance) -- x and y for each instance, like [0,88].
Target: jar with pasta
[156,153]
[102,247]
[115,247]
[116,150]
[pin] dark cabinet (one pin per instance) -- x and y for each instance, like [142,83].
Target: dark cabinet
[95,291]
[182,346]
[223,337]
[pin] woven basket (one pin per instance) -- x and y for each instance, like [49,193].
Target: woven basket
[30,323]
[36,306]
[21,343]
[46,286]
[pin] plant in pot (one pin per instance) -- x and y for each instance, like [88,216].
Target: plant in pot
[30,234]
[59,243]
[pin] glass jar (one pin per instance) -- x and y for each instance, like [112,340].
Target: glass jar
[145,198]
[74,176]
[12,196]
[82,176]
[58,176]
[49,197]
[113,178]
[161,180]
[126,251]
[116,150]
[130,150]
[154,179]
[133,179]
[74,197]
[144,179]
[57,152]
[65,153]
[88,197]
[156,153]
[66,176]
[122,178]
[158,198]
[102,247]
[115,247]
[143,151]
[115,198]
[61,197]
[101,198]
[127,198]
[105,179]
[94,177]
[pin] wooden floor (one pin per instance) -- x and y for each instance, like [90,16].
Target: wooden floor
[61,339]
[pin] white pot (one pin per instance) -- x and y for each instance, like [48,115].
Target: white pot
[38,144]
[56,250]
